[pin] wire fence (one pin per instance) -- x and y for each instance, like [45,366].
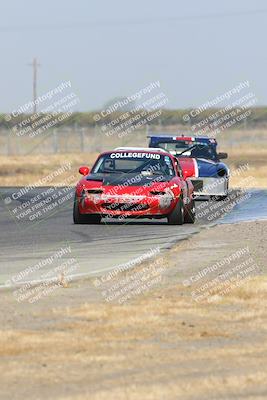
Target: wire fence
[67,140]
[93,139]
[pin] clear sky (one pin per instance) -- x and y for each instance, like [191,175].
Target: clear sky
[110,48]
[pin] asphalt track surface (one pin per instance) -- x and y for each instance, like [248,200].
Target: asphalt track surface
[94,249]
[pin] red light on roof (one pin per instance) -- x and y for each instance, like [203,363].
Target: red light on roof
[187,138]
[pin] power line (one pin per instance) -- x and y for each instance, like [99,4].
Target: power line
[141,21]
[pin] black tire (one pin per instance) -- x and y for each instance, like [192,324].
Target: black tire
[190,214]
[176,217]
[79,218]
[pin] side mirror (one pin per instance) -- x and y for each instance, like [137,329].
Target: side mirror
[84,171]
[222,155]
[187,174]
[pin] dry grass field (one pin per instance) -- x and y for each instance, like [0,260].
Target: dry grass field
[26,170]
[22,171]
[162,346]
[256,158]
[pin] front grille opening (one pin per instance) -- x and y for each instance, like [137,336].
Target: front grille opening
[157,193]
[125,207]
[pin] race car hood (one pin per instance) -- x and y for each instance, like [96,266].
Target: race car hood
[127,179]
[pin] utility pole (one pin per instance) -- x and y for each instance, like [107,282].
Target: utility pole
[35,66]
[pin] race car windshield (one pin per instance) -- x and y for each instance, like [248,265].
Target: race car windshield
[133,163]
[190,149]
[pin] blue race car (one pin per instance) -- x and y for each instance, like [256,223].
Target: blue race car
[211,176]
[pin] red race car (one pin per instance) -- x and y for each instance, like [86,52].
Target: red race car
[134,183]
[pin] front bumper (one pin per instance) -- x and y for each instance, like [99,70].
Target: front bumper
[210,186]
[126,205]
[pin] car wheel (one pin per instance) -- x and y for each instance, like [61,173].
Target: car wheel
[190,213]
[176,217]
[79,218]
